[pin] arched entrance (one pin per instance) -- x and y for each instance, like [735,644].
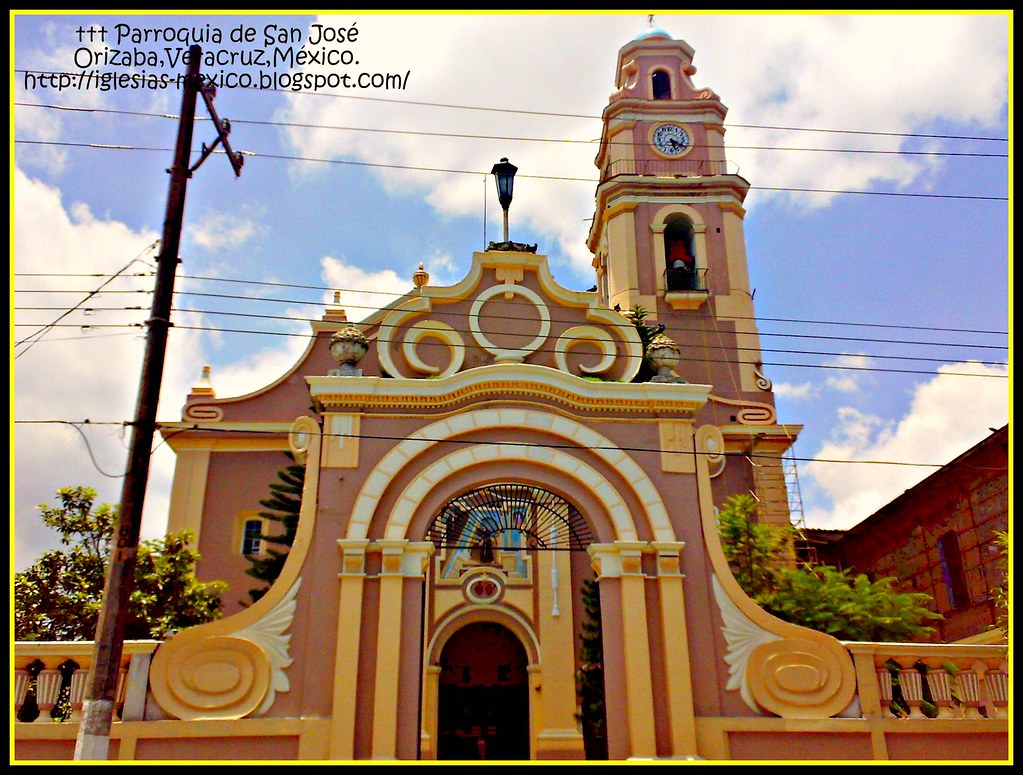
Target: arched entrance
[484,697]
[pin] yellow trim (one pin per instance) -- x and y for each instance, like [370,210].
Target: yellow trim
[518,379]
[188,492]
[559,736]
[677,446]
[341,445]
[675,640]
[388,650]
[816,646]
[208,639]
[347,653]
[617,209]
[252,443]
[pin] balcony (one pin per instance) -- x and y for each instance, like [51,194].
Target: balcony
[663,168]
[685,288]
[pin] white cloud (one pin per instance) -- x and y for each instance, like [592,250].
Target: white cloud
[852,371]
[935,430]
[800,392]
[74,376]
[362,292]
[263,367]
[845,71]
[219,230]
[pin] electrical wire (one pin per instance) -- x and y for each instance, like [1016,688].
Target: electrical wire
[504,138]
[420,103]
[31,339]
[840,367]
[503,317]
[177,428]
[559,178]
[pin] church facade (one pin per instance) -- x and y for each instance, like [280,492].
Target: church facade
[479,458]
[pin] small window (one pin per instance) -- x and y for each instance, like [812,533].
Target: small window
[661,83]
[252,543]
[952,572]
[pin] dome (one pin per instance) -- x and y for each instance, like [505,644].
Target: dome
[653,32]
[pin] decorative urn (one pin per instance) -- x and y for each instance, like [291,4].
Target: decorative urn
[663,355]
[348,346]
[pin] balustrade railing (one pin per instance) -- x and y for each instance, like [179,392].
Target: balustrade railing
[935,681]
[681,280]
[905,680]
[50,680]
[664,168]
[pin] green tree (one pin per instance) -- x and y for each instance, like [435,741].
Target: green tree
[59,596]
[646,333]
[1000,593]
[821,597]
[756,551]
[589,678]
[284,504]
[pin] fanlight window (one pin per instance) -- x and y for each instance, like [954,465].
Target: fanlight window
[507,517]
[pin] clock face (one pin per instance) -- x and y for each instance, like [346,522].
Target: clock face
[671,139]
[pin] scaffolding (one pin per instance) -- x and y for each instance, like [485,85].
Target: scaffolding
[795,497]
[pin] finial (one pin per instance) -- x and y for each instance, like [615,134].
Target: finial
[204,387]
[334,311]
[420,277]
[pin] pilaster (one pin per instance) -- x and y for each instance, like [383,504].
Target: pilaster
[681,713]
[346,661]
[622,560]
[400,559]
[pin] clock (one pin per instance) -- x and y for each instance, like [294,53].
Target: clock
[671,139]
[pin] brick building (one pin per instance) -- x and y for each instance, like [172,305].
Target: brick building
[938,537]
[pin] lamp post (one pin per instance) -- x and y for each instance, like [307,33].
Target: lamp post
[504,173]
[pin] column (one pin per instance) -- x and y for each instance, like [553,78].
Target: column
[676,648]
[623,560]
[558,735]
[400,559]
[346,661]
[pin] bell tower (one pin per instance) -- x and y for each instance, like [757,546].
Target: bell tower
[667,233]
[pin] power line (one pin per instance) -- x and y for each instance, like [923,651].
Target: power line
[491,442]
[326,289]
[503,138]
[683,357]
[429,344]
[561,178]
[35,337]
[503,317]
[527,305]
[440,313]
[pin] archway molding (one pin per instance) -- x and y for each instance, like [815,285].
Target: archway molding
[609,454]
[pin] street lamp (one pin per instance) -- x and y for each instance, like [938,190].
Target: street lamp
[504,173]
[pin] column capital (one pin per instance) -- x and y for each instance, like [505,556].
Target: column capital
[401,557]
[669,557]
[353,556]
[621,558]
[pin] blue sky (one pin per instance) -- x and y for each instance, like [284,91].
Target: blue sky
[353,190]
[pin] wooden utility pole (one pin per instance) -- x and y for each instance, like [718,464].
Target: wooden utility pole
[93,739]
